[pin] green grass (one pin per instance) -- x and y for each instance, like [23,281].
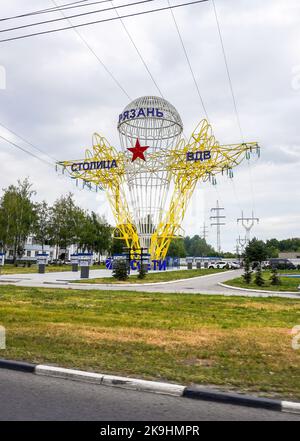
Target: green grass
[287,284]
[159,276]
[12,269]
[235,343]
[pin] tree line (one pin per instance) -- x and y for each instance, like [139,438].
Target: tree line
[64,224]
[60,225]
[197,246]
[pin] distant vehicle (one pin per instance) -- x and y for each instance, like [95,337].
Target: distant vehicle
[234,265]
[217,265]
[282,264]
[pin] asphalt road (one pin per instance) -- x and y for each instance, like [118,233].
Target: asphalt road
[207,284]
[30,397]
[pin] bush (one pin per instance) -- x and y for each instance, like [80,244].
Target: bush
[247,276]
[259,281]
[142,271]
[120,270]
[275,280]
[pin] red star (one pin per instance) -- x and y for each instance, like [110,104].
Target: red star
[138,151]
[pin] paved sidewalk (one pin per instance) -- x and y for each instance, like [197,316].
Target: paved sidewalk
[207,284]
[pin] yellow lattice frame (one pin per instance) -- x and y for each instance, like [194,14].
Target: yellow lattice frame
[184,175]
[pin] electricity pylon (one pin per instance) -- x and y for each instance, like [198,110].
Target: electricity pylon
[217,223]
[242,242]
[248,223]
[204,231]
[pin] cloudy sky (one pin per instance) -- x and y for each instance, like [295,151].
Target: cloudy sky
[55,93]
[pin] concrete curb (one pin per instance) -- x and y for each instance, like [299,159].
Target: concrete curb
[193,392]
[263,291]
[17,366]
[200,393]
[111,380]
[148,284]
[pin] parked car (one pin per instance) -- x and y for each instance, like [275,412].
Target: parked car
[234,265]
[217,265]
[282,264]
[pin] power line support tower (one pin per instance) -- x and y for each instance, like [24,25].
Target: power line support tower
[242,242]
[216,222]
[248,223]
[204,231]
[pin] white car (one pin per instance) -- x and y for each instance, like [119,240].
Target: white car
[234,265]
[217,265]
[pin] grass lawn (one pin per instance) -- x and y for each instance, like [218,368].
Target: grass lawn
[12,269]
[159,276]
[287,284]
[235,343]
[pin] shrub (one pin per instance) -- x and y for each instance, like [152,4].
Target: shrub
[259,281]
[275,280]
[247,276]
[120,270]
[142,271]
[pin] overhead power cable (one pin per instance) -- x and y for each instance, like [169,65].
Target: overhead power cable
[88,46]
[233,97]
[47,10]
[51,31]
[27,142]
[228,71]
[188,61]
[25,150]
[82,14]
[137,50]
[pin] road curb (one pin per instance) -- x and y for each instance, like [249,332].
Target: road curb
[17,366]
[111,380]
[192,392]
[262,291]
[200,393]
[148,284]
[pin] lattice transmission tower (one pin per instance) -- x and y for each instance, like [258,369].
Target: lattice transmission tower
[217,222]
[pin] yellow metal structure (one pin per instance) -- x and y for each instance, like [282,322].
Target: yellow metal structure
[183,174]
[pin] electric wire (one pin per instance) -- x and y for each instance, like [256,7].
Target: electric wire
[188,62]
[28,142]
[228,71]
[82,14]
[86,43]
[138,51]
[25,150]
[46,11]
[233,94]
[150,11]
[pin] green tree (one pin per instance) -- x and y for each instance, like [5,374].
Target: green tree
[117,246]
[247,276]
[272,252]
[41,226]
[256,251]
[65,223]
[197,246]
[95,234]
[259,281]
[17,217]
[142,271]
[177,248]
[275,280]
[120,269]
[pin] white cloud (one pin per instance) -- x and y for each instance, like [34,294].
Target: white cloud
[58,94]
